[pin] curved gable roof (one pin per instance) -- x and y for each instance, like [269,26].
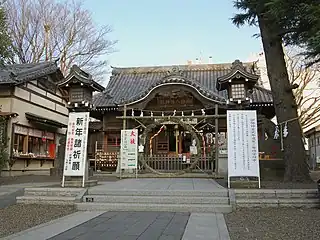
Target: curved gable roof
[129,84]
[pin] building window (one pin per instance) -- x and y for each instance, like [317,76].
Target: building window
[40,147]
[19,143]
[238,91]
[33,143]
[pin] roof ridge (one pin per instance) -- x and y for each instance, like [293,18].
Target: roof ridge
[262,88]
[185,67]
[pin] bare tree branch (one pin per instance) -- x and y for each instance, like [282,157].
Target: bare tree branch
[50,29]
[307,95]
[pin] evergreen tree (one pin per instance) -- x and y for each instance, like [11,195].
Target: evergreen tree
[300,24]
[257,12]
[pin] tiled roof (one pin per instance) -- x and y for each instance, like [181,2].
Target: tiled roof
[18,73]
[129,84]
[81,76]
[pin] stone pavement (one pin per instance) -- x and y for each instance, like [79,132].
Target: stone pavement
[194,184]
[129,226]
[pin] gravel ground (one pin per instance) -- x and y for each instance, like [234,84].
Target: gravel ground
[19,217]
[274,223]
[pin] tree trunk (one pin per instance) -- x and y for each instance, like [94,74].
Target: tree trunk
[294,152]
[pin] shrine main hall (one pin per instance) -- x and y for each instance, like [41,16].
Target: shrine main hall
[180,114]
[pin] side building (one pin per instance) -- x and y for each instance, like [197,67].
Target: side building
[313,136]
[35,114]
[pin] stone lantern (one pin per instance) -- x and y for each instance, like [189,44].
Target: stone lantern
[80,87]
[238,83]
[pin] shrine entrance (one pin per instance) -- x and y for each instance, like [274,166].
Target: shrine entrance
[179,143]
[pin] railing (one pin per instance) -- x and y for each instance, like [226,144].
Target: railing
[105,158]
[174,163]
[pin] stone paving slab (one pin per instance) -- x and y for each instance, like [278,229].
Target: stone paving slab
[130,225]
[206,226]
[161,184]
[52,228]
[8,197]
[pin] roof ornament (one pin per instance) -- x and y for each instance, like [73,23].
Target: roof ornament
[175,71]
[237,64]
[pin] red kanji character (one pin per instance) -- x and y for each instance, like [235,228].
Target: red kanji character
[132,141]
[132,134]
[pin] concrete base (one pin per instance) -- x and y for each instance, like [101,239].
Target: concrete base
[78,183]
[223,165]
[56,172]
[244,184]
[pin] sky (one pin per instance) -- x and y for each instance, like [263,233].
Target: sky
[168,32]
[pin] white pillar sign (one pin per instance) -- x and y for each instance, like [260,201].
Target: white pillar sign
[243,152]
[76,144]
[129,149]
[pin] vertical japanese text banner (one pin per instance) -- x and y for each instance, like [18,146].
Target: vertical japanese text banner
[243,153]
[76,144]
[129,149]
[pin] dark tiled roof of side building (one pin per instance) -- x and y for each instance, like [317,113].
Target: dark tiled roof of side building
[132,83]
[18,73]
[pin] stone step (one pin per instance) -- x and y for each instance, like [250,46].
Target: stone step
[156,199]
[67,192]
[130,192]
[51,200]
[208,208]
[280,202]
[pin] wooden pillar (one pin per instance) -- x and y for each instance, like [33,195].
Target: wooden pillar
[180,143]
[124,117]
[216,132]
[177,143]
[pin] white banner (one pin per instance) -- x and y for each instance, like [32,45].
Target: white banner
[243,153]
[76,145]
[129,149]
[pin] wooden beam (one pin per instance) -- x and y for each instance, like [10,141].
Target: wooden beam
[169,117]
[124,117]
[216,132]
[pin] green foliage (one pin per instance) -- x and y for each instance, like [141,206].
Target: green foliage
[5,40]
[300,24]
[4,154]
[296,21]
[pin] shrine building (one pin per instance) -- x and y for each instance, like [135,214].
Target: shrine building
[180,114]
